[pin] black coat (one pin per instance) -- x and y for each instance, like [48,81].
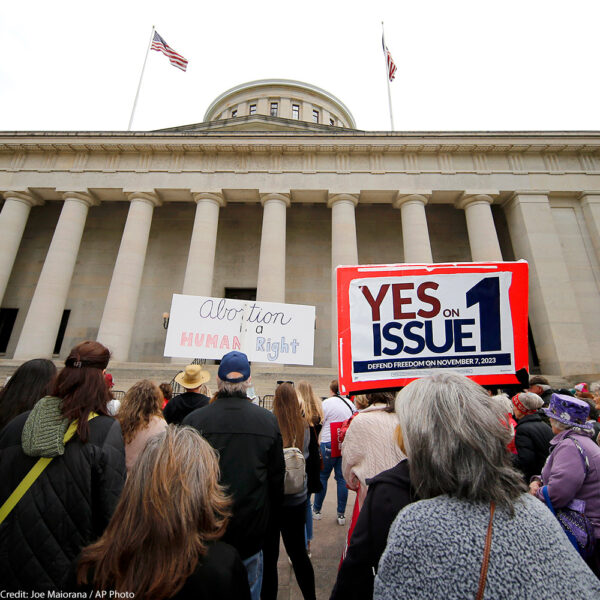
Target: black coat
[388,493]
[248,440]
[532,441]
[313,464]
[66,508]
[179,407]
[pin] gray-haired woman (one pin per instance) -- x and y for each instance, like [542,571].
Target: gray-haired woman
[455,438]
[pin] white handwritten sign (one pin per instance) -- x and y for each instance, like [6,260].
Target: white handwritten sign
[203,327]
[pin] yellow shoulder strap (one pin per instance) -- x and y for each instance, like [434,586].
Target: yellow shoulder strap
[34,473]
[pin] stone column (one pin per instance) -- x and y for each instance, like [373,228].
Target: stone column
[590,204]
[198,279]
[344,251]
[555,319]
[483,238]
[271,264]
[38,335]
[415,235]
[116,326]
[13,219]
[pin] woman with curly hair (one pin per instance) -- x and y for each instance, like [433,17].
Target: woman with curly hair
[162,541]
[141,418]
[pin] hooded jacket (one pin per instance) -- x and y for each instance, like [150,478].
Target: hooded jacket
[389,492]
[69,504]
[179,407]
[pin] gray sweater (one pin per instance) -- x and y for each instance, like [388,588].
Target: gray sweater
[435,550]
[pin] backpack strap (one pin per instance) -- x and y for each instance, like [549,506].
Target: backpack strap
[584,458]
[34,473]
[346,403]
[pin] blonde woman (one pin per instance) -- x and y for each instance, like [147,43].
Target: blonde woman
[141,418]
[312,409]
[162,541]
[310,404]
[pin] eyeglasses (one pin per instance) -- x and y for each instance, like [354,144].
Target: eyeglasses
[280,382]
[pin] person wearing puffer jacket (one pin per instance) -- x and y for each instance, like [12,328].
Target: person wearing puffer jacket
[532,435]
[69,505]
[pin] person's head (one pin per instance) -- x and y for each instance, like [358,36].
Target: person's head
[526,403]
[455,437]
[233,374]
[360,401]
[567,412]
[289,416]
[505,402]
[30,382]
[142,401]
[81,384]
[386,398]
[310,403]
[171,506]
[538,384]
[166,389]
[334,387]
[192,378]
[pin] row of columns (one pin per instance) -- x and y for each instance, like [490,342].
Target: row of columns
[530,214]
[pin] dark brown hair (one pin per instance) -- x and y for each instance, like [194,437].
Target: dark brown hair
[142,401]
[166,390]
[30,382]
[386,398]
[289,416]
[171,506]
[334,387]
[81,384]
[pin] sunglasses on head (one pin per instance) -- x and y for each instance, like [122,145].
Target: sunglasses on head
[280,382]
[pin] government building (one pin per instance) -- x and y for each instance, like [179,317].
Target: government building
[262,199]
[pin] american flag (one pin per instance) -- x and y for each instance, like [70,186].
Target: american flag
[391,67]
[175,59]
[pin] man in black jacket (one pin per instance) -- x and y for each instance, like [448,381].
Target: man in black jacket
[250,448]
[192,378]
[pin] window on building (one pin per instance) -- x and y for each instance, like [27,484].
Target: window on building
[61,331]
[274,108]
[252,110]
[234,113]
[315,116]
[331,122]
[295,111]
[7,322]
[240,293]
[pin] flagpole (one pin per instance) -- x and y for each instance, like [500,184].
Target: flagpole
[387,76]
[141,77]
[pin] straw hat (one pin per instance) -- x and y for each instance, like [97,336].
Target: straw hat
[192,377]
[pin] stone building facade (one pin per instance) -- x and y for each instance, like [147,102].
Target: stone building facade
[274,188]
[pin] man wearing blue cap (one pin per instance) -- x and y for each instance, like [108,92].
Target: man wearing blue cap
[250,448]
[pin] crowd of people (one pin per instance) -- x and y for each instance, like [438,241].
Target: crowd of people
[459,493]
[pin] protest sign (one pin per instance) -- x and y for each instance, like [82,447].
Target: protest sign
[203,327]
[400,322]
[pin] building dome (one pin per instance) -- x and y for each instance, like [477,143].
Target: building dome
[281,98]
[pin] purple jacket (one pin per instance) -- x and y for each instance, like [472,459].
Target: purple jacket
[564,474]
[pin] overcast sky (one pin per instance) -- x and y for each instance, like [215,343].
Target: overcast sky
[462,65]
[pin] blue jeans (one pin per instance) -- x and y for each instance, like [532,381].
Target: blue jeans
[308,525]
[329,464]
[254,566]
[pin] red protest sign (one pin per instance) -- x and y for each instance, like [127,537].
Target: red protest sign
[400,322]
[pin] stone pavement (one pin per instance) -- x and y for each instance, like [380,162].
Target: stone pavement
[326,548]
